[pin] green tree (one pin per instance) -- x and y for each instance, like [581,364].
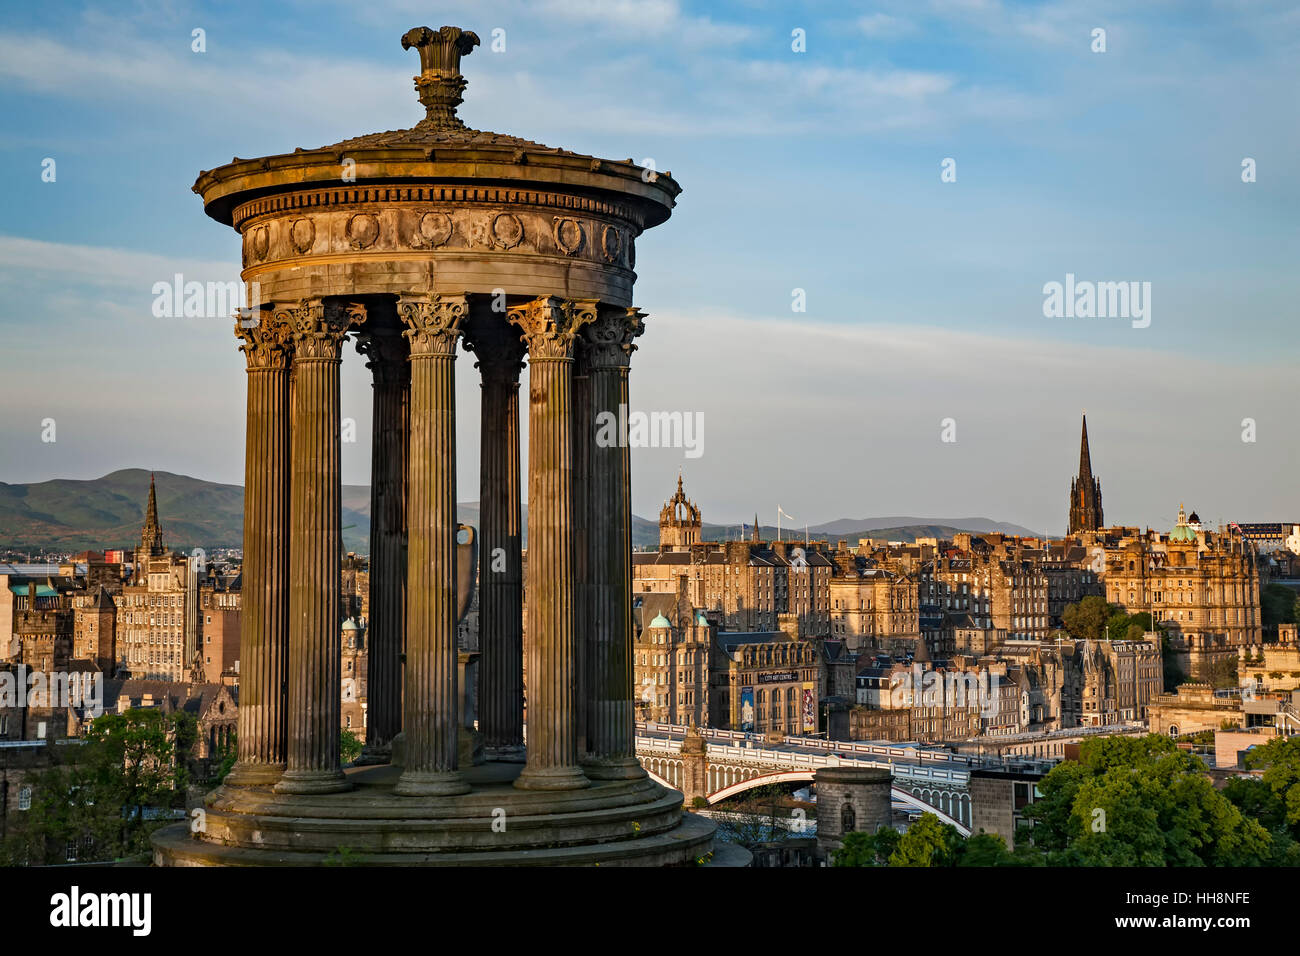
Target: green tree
[1086,621]
[1142,621]
[1140,801]
[112,790]
[927,842]
[350,746]
[1280,761]
[860,848]
[985,849]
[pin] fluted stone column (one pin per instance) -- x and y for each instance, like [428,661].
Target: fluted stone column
[582,619]
[430,706]
[264,632]
[609,698]
[500,354]
[550,326]
[315,547]
[386,351]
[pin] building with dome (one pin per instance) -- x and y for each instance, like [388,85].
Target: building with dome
[744,585]
[688,671]
[1201,588]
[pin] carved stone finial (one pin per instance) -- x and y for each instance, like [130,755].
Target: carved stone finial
[440,85]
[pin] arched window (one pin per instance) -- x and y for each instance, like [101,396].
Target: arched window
[848,817]
[25,798]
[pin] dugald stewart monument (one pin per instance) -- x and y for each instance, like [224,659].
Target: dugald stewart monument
[411,243]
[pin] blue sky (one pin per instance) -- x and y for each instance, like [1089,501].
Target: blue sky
[817,170]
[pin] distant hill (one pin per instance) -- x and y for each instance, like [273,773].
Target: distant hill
[107,512]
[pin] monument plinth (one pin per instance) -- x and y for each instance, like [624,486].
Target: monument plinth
[415,243]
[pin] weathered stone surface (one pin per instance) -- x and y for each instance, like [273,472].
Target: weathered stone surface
[431,232]
[315,546]
[264,635]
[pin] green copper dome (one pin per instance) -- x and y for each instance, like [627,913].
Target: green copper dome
[660,621]
[1183,530]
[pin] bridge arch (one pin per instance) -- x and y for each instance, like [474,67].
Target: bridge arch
[909,798]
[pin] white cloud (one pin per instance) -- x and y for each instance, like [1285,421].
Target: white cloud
[69,262]
[884,25]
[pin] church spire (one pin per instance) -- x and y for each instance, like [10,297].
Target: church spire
[1085,459]
[1085,491]
[151,541]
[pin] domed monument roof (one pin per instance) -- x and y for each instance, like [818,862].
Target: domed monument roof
[441,149]
[661,621]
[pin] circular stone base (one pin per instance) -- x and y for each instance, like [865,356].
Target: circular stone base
[623,822]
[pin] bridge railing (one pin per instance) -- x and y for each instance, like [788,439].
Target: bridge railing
[793,760]
[915,755]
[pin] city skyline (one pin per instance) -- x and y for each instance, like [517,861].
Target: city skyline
[817,171]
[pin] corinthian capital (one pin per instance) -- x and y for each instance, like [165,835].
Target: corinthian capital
[433,323]
[318,328]
[609,337]
[550,325]
[385,350]
[498,347]
[265,341]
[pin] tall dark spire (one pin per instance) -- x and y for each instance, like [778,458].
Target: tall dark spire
[151,540]
[1085,460]
[1085,492]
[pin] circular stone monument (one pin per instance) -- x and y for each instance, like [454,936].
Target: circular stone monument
[412,242]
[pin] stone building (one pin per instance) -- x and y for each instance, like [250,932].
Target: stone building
[213,707]
[1120,679]
[158,609]
[850,800]
[1193,708]
[875,603]
[43,625]
[1000,588]
[219,630]
[744,585]
[946,700]
[1070,578]
[1200,587]
[353,668]
[1271,667]
[689,672]
[94,628]
[998,799]
[767,682]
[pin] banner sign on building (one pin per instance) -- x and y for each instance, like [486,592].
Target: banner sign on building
[778,677]
[810,708]
[746,708]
